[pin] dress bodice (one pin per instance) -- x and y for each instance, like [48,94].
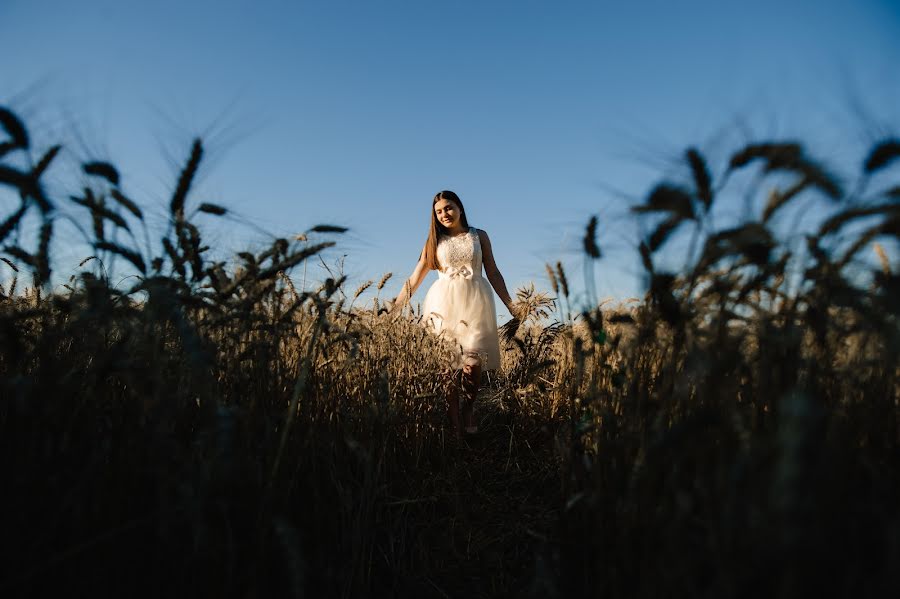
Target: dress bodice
[460,256]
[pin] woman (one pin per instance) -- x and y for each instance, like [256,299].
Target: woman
[459,305]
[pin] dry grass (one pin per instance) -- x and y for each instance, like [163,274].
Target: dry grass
[211,430]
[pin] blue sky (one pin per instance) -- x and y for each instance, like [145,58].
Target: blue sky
[539,114]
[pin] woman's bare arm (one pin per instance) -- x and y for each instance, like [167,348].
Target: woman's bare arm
[493,273]
[411,284]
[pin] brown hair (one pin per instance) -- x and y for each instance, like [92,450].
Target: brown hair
[437,229]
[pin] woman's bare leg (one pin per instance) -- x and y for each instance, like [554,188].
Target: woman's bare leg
[471,380]
[452,391]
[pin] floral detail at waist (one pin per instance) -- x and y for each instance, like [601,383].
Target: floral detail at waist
[456,272]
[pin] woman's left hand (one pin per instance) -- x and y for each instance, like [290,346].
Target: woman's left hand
[514,309]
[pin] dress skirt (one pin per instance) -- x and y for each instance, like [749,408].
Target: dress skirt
[460,307]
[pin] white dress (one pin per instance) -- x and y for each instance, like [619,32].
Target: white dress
[460,304]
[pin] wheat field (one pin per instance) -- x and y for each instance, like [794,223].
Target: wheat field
[207,429]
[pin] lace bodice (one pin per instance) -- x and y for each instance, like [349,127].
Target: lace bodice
[460,255]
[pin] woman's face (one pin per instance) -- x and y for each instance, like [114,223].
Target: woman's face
[447,213]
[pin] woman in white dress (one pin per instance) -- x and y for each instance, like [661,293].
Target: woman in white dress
[460,305]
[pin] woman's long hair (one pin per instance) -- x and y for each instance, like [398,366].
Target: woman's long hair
[437,229]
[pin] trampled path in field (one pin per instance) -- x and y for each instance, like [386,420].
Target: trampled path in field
[497,499]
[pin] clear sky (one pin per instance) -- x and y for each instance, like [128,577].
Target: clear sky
[539,114]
